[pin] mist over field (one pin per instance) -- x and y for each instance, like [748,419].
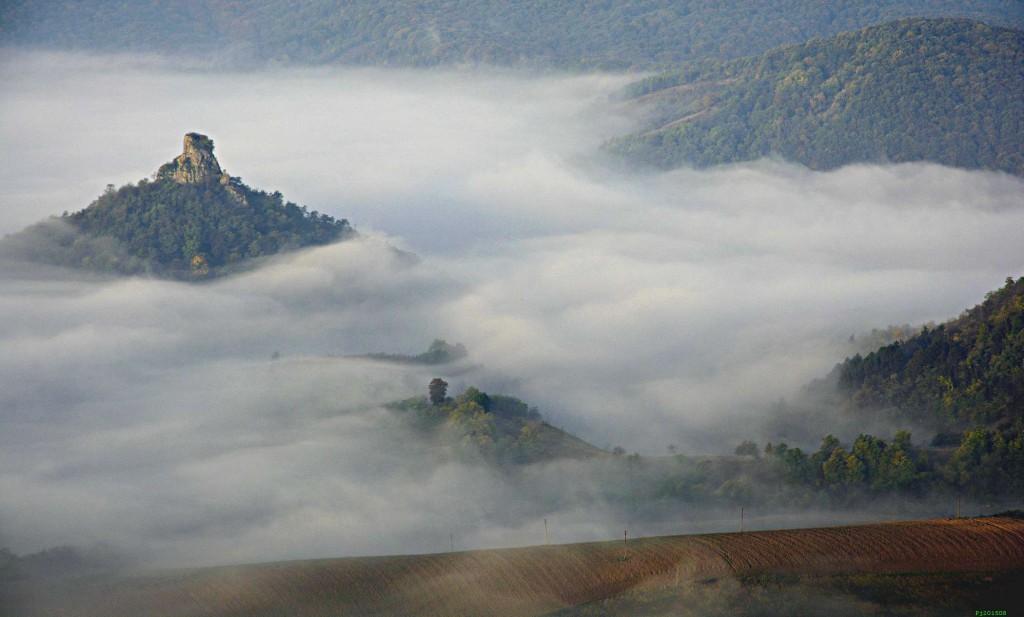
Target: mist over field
[634,309]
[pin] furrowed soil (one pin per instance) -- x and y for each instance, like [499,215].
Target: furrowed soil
[937,567]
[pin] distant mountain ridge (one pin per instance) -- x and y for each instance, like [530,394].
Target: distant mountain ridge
[605,34]
[193,221]
[439,352]
[950,91]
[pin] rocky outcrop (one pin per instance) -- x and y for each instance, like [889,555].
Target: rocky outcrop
[196,164]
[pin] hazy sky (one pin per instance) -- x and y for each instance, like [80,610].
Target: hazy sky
[639,310]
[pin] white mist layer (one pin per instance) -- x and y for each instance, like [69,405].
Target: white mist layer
[634,310]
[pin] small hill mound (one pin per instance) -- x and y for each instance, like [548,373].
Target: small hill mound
[949,91]
[193,221]
[501,430]
[541,580]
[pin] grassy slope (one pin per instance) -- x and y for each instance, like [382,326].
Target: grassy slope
[556,443]
[567,579]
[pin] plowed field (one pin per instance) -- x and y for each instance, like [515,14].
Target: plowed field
[535,580]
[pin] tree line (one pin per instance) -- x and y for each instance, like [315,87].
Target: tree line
[988,464]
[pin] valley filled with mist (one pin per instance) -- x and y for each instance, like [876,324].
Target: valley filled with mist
[229,421]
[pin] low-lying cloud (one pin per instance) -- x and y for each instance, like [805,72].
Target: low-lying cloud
[639,310]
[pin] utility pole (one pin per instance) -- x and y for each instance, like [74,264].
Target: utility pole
[451,538]
[958,505]
[625,543]
[741,519]
[546,542]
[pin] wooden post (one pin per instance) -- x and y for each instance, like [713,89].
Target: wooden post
[451,538]
[546,542]
[741,519]
[625,543]
[958,505]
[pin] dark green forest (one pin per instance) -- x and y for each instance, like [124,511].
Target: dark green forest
[943,90]
[963,378]
[585,35]
[967,372]
[183,231]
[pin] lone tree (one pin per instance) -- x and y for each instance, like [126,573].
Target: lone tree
[438,389]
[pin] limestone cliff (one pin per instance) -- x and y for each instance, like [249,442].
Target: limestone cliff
[195,164]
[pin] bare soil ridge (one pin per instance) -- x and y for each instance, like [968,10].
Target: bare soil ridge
[540,580]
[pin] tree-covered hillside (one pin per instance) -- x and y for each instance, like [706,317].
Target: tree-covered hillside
[943,90]
[961,383]
[192,221]
[969,371]
[606,33]
[500,430]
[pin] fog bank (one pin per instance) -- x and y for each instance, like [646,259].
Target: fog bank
[640,310]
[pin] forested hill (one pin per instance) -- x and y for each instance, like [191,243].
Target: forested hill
[496,429]
[944,90]
[967,372]
[960,385]
[192,221]
[593,34]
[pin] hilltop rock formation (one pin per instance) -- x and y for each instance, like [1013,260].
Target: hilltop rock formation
[195,164]
[192,221]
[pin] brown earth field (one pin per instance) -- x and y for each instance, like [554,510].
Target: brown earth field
[933,567]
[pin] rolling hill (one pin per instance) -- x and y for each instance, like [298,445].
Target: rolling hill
[929,566]
[605,34]
[193,221]
[500,430]
[950,91]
